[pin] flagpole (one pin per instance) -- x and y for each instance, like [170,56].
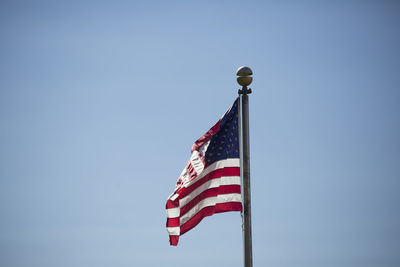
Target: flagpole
[245,80]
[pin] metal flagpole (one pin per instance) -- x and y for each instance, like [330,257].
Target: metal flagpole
[245,80]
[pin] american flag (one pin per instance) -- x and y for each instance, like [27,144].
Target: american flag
[210,182]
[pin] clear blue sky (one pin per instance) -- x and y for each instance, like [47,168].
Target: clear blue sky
[100,103]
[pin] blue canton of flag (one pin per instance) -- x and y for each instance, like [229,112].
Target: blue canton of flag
[225,143]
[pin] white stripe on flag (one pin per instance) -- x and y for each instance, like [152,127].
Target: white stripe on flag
[196,162]
[204,147]
[174,230]
[173,212]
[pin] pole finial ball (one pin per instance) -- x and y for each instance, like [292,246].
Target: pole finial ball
[244,71]
[244,78]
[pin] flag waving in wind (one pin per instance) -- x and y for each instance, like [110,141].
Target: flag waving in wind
[210,182]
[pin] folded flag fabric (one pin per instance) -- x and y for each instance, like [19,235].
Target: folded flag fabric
[210,182]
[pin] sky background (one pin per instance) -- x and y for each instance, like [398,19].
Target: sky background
[101,101]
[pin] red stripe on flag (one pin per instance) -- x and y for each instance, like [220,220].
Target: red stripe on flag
[208,211]
[212,192]
[172,204]
[173,222]
[173,240]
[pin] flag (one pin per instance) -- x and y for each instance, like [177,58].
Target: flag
[210,182]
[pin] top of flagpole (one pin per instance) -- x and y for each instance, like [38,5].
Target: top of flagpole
[244,79]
